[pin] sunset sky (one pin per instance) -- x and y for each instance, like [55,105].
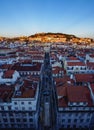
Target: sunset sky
[26,17]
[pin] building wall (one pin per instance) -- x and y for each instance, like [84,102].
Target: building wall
[76,69]
[17,119]
[74,119]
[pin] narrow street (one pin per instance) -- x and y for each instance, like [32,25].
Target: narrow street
[47,114]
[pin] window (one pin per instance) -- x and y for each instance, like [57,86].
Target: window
[72,68]
[0,125]
[81,120]
[71,103]
[17,115]
[2,108]
[74,126]
[22,103]
[9,107]
[24,114]
[16,108]
[87,120]
[89,114]
[30,114]
[75,120]
[30,108]
[19,125]
[3,114]
[18,120]
[10,114]
[63,120]
[77,103]
[31,125]
[68,126]
[31,120]
[23,108]
[25,120]
[76,114]
[70,114]
[6,125]
[11,119]
[69,120]
[15,103]
[29,102]
[5,120]
[25,125]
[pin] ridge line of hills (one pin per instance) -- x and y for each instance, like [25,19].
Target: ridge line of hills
[49,37]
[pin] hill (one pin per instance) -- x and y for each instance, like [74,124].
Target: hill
[50,37]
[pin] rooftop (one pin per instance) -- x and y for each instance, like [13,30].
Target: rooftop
[8,74]
[84,77]
[27,90]
[75,64]
[74,94]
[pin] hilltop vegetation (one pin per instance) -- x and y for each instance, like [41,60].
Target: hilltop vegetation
[49,37]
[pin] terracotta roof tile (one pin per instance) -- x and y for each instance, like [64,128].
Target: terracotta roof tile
[9,73]
[75,64]
[84,77]
[72,58]
[76,94]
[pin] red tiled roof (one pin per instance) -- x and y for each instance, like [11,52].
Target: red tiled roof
[90,65]
[25,61]
[61,91]
[72,58]
[38,57]
[63,80]
[76,94]
[9,73]
[84,77]
[82,55]
[55,71]
[62,102]
[6,66]
[18,67]
[6,92]
[28,90]
[75,64]
[92,55]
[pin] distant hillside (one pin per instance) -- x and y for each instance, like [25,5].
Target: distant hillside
[50,37]
[57,37]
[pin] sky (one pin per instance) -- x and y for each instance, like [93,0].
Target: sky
[27,17]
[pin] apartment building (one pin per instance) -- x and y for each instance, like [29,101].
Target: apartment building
[75,107]
[19,101]
[26,69]
[75,67]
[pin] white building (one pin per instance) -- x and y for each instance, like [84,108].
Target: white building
[10,76]
[19,104]
[75,109]
[90,57]
[75,67]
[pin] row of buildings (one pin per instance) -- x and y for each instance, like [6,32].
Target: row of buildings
[73,75]
[73,79]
